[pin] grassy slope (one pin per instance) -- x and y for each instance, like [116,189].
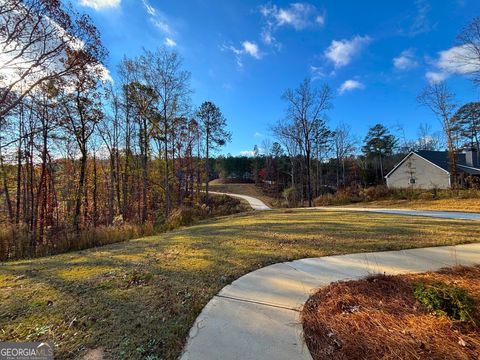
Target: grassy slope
[242,189]
[467,205]
[140,297]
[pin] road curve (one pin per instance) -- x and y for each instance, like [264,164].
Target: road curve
[255,203]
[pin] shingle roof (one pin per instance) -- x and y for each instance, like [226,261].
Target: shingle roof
[440,158]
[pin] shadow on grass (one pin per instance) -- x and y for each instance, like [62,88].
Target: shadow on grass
[140,297]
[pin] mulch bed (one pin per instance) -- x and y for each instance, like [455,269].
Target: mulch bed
[379,318]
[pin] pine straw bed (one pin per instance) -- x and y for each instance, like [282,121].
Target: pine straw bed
[379,318]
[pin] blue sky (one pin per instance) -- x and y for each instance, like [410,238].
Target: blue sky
[376,55]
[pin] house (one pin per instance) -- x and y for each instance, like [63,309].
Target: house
[430,169]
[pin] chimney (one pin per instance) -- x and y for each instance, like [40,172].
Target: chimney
[471,158]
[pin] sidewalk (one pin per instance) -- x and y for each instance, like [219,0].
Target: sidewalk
[256,317]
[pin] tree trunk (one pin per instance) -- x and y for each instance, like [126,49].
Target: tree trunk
[5,188]
[167,170]
[95,205]
[80,191]
[207,165]
[309,180]
[111,190]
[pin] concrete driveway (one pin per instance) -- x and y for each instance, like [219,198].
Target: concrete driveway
[436,214]
[255,203]
[257,316]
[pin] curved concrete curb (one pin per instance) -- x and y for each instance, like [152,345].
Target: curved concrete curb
[255,203]
[256,317]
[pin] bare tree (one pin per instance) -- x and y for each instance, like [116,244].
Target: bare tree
[441,101]
[162,71]
[344,145]
[426,139]
[41,41]
[306,108]
[285,134]
[467,54]
[83,112]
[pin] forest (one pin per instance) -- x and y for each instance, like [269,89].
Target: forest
[83,161]
[86,161]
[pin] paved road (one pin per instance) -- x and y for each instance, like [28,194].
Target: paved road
[437,214]
[256,317]
[255,203]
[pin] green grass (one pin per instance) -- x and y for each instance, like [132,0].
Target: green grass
[140,297]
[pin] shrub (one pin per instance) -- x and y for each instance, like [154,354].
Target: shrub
[217,206]
[291,196]
[181,217]
[444,300]
[426,196]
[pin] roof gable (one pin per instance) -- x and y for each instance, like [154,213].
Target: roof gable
[417,153]
[439,159]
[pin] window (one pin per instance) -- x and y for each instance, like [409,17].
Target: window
[412,181]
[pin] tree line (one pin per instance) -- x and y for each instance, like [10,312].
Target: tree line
[309,158]
[78,152]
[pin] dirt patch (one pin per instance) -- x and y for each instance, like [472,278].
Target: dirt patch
[94,354]
[379,318]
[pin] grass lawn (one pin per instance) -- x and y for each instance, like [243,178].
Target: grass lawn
[242,189]
[454,204]
[138,299]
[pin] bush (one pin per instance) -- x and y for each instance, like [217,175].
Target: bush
[444,300]
[218,205]
[291,196]
[426,196]
[181,217]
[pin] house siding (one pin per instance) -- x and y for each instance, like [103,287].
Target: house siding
[426,175]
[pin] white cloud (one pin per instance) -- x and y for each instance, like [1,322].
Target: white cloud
[317,72]
[320,20]
[150,9]
[296,15]
[248,153]
[105,75]
[251,49]
[158,19]
[421,23]
[341,52]
[100,4]
[169,42]
[257,134]
[405,61]
[458,60]
[350,85]
[248,48]
[434,77]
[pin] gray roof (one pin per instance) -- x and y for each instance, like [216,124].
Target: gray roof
[440,158]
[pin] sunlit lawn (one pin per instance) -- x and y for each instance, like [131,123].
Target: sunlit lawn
[139,298]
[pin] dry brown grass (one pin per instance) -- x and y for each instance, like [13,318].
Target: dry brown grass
[379,318]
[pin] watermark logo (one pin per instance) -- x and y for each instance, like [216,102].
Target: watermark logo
[26,351]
